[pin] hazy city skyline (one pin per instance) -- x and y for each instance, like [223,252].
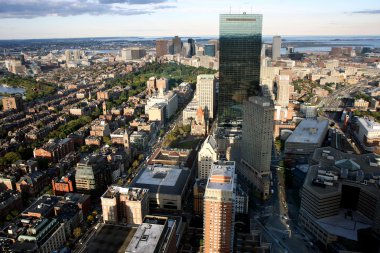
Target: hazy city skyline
[24,19]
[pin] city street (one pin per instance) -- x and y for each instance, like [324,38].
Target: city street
[277,219]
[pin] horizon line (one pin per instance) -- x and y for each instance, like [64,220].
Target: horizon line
[190,36]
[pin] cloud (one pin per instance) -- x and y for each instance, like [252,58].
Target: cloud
[132,1]
[63,8]
[366,12]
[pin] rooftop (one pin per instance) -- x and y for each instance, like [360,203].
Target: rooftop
[134,194]
[42,205]
[149,236]
[345,227]
[110,238]
[222,176]
[309,131]
[172,157]
[162,179]
[369,125]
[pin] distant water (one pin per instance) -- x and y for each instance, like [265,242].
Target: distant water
[325,43]
[300,43]
[10,90]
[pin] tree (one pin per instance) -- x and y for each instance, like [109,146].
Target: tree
[135,164]
[84,149]
[140,157]
[8,217]
[107,140]
[77,232]
[90,218]
[15,213]
[12,157]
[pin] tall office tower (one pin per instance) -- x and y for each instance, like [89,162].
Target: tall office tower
[276,47]
[239,67]
[76,55]
[257,141]
[283,90]
[208,154]
[192,46]
[177,45]
[219,208]
[210,50]
[162,47]
[186,50]
[67,55]
[206,92]
[133,53]
[22,58]
[214,42]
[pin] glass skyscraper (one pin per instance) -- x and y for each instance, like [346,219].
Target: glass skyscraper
[239,70]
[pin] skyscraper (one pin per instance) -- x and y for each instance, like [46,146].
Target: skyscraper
[219,208]
[239,70]
[276,47]
[210,50]
[162,47]
[257,141]
[67,56]
[192,46]
[177,45]
[283,90]
[206,89]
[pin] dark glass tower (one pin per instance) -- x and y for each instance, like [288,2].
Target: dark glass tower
[239,57]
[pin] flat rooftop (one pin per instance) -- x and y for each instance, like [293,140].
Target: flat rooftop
[162,179]
[369,125]
[134,194]
[110,238]
[172,157]
[309,131]
[146,238]
[345,227]
[42,205]
[329,155]
[222,176]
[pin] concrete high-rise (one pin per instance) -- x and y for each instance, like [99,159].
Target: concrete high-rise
[67,56]
[76,55]
[133,53]
[162,47]
[13,103]
[206,93]
[257,141]
[125,205]
[219,208]
[276,47]
[177,45]
[240,41]
[283,90]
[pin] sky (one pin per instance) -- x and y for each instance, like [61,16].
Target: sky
[31,19]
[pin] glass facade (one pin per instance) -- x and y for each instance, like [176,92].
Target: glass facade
[239,58]
[210,50]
